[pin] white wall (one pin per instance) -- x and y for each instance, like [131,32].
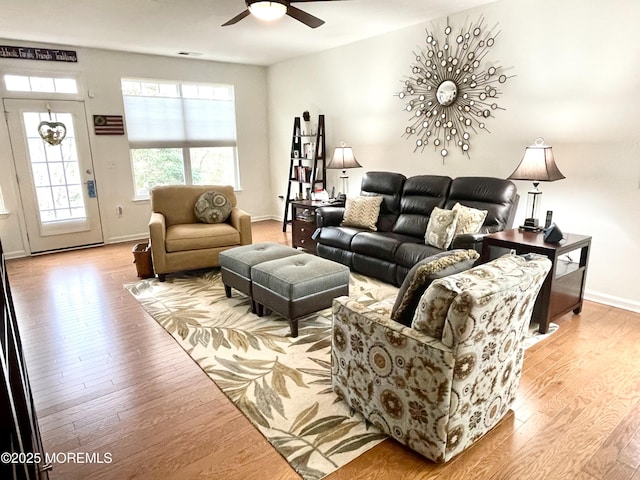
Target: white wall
[100,71]
[576,66]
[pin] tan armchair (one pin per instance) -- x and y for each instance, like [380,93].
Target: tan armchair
[179,241]
[442,384]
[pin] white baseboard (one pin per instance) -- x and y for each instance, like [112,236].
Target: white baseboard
[128,238]
[262,218]
[612,301]
[16,254]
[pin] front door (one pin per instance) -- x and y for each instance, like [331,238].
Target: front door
[57,184]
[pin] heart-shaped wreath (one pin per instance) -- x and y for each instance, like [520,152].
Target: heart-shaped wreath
[52,132]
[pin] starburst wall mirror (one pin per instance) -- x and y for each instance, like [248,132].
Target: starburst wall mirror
[453,88]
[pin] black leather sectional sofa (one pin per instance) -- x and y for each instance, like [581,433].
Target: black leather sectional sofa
[389,253]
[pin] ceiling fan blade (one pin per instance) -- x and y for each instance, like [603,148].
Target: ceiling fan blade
[237,18]
[304,17]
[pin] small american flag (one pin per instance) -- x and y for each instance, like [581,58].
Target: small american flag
[108,125]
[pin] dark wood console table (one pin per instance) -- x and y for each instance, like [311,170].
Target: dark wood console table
[563,289]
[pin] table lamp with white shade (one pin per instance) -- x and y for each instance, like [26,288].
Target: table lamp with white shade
[343,158]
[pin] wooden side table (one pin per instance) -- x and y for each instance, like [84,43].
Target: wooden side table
[303,223]
[563,289]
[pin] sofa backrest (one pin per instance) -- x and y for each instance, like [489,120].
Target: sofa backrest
[389,186]
[420,195]
[176,202]
[499,197]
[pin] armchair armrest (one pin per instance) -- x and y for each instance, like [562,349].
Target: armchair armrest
[158,236]
[379,365]
[241,221]
[329,216]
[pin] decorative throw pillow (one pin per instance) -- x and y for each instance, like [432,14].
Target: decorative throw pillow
[433,308]
[469,219]
[362,212]
[212,207]
[441,228]
[422,274]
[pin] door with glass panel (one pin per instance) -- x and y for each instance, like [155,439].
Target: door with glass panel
[57,183]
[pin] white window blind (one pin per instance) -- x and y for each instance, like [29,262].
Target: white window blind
[171,122]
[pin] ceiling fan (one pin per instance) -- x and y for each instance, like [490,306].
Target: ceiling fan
[272,10]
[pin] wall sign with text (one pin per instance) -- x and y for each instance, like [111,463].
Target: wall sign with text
[46,54]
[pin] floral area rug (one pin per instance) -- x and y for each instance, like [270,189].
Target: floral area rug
[282,384]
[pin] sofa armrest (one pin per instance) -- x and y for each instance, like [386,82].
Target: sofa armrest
[468,241]
[241,221]
[158,236]
[329,216]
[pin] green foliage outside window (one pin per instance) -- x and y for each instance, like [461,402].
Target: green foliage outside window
[166,166]
[156,166]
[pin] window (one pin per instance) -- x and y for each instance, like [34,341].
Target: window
[180,133]
[23,83]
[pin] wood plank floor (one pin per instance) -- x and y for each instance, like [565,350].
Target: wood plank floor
[108,380]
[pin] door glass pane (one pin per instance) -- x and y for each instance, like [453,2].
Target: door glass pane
[55,170]
[71,172]
[40,174]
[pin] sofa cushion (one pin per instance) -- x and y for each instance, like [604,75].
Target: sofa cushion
[196,236]
[362,212]
[496,195]
[339,237]
[388,185]
[470,220]
[410,253]
[380,268]
[441,228]
[420,195]
[422,274]
[378,244]
[212,207]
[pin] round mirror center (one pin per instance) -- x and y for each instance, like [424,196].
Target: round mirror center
[447,93]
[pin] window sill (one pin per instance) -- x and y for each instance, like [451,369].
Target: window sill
[148,199]
[4,215]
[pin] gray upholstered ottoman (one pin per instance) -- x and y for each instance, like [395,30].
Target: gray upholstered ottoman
[236,264]
[298,285]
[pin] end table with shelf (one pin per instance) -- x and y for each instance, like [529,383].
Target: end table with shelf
[303,223]
[563,289]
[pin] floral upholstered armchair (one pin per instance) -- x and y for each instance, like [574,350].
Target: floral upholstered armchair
[441,384]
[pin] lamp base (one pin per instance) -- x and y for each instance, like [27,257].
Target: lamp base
[345,183]
[531,225]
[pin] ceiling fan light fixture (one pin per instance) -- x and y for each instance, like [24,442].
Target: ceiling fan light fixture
[268,11]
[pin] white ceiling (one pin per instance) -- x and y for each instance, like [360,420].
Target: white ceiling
[166,27]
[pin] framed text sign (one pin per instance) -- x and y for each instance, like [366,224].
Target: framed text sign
[30,53]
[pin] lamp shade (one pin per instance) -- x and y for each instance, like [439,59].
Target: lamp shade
[537,164]
[267,10]
[343,158]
